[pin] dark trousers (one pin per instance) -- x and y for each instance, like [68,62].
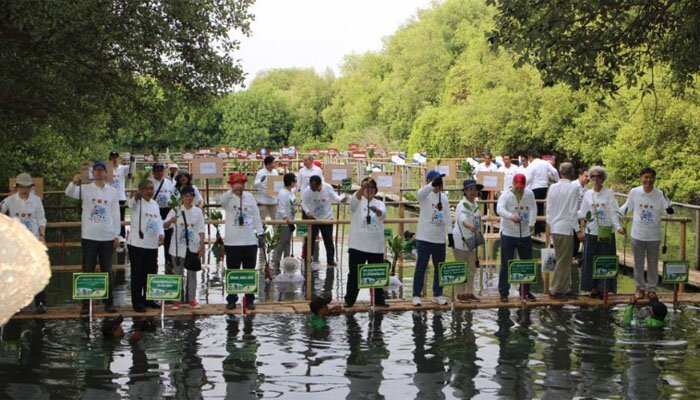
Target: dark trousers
[143,262]
[540,194]
[94,249]
[40,298]
[122,213]
[168,237]
[356,258]
[426,250]
[237,256]
[327,234]
[508,246]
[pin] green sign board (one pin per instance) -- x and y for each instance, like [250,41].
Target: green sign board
[522,271]
[605,267]
[241,281]
[346,184]
[163,287]
[388,233]
[93,285]
[675,272]
[302,230]
[452,273]
[373,276]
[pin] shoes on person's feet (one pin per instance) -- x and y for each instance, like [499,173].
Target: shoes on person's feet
[441,300]
[463,297]
[416,301]
[639,295]
[348,305]
[195,305]
[558,296]
[250,306]
[139,308]
[151,304]
[473,298]
[109,308]
[40,308]
[594,294]
[383,304]
[571,295]
[230,306]
[531,297]
[504,299]
[176,305]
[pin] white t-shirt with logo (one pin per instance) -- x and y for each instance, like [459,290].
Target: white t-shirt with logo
[29,212]
[163,195]
[367,237]
[469,212]
[508,174]
[238,234]
[261,186]
[433,224]
[100,215]
[145,216]
[195,226]
[286,204]
[119,178]
[647,209]
[603,208]
[508,205]
[320,203]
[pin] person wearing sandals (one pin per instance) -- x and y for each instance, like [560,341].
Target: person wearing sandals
[467,227]
[188,235]
[647,203]
[366,243]
[601,213]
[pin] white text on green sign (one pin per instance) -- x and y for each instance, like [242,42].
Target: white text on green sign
[522,271]
[373,276]
[605,267]
[452,273]
[93,285]
[163,287]
[241,281]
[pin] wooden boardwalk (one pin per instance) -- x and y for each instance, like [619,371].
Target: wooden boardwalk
[302,307]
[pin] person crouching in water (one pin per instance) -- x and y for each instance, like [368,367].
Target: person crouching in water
[366,243]
[189,235]
[655,318]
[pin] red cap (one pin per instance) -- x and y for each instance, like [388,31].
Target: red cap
[236,177]
[519,180]
[318,164]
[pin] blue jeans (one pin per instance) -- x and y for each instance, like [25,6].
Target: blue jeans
[508,246]
[425,251]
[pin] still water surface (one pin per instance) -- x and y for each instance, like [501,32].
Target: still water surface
[556,353]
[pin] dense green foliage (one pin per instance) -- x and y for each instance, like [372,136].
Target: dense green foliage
[440,85]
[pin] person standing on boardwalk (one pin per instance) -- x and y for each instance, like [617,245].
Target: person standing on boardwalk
[164,188]
[120,174]
[286,209]
[366,242]
[434,223]
[306,172]
[316,201]
[266,204]
[99,227]
[466,231]
[244,231]
[600,210]
[647,204]
[28,209]
[517,210]
[509,170]
[539,173]
[562,217]
[144,239]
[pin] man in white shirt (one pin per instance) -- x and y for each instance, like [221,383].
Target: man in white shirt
[266,204]
[306,172]
[647,204]
[286,208]
[316,201]
[99,229]
[434,224]
[164,188]
[523,164]
[120,174]
[539,174]
[562,217]
[509,170]
[517,211]
[486,166]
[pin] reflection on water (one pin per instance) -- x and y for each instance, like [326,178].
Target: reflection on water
[555,353]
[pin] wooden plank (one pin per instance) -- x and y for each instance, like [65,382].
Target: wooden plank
[78,268]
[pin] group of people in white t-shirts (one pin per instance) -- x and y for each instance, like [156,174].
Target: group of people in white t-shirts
[574,213]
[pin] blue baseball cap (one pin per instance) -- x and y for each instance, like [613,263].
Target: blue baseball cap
[433,175]
[186,190]
[99,164]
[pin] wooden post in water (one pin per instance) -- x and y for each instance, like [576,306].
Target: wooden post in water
[309,256]
[683,249]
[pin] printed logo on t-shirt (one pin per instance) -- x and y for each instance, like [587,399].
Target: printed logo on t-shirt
[319,207]
[373,220]
[26,220]
[98,214]
[646,214]
[438,217]
[151,225]
[163,198]
[524,214]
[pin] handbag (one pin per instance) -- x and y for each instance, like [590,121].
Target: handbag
[549,259]
[192,261]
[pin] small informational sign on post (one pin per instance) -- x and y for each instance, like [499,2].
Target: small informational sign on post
[345,185]
[207,168]
[387,183]
[388,233]
[373,276]
[241,281]
[90,285]
[452,273]
[522,271]
[447,167]
[605,267]
[163,287]
[274,185]
[302,230]
[334,173]
[492,181]
[675,272]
